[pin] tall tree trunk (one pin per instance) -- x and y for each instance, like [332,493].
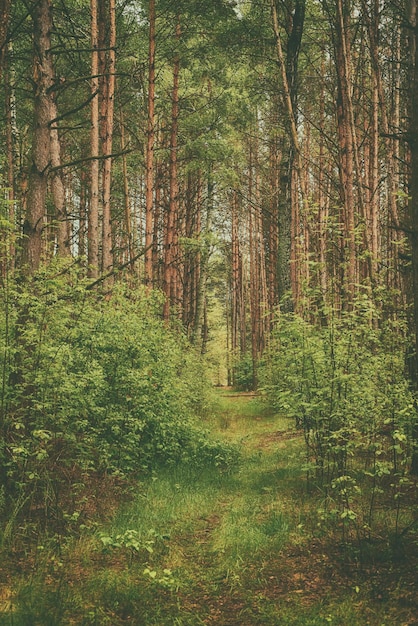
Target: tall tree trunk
[273,218]
[82,241]
[93,217]
[374,207]
[170,269]
[391,144]
[235,275]
[107,60]
[33,226]
[10,251]
[149,157]
[57,186]
[45,104]
[345,136]
[156,260]
[4,27]
[323,202]
[288,71]
[126,197]
[238,288]
[254,272]
[413,202]
[192,253]
[200,319]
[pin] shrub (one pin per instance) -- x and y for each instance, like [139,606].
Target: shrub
[345,386]
[94,385]
[243,373]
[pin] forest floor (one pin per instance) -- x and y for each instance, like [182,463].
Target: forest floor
[240,548]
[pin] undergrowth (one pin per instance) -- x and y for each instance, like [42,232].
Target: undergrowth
[238,546]
[346,388]
[95,388]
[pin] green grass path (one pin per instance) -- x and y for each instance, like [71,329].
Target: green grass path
[237,548]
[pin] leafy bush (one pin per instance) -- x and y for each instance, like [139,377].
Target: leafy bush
[95,384]
[345,386]
[243,377]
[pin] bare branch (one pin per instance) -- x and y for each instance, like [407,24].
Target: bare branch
[90,158]
[117,269]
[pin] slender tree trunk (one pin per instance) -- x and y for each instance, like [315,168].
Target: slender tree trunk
[391,145]
[273,219]
[238,288]
[4,27]
[200,320]
[156,260]
[322,201]
[347,178]
[33,226]
[126,197]
[192,254]
[82,231]
[243,291]
[149,157]
[235,275]
[93,217]
[288,71]
[254,273]
[264,295]
[229,373]
[198,260]
[413,202]
[393,151]
[374,207]
[10,125]
[107,61]
[57,187]
[170,270]
[188,260]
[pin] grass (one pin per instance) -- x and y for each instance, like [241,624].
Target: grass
[206,546]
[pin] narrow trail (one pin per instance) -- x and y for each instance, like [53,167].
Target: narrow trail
[255,558]
[231,552]
[246,546]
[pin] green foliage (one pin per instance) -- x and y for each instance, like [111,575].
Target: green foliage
[243,375]
[235,548]
[345,386]
[95,385]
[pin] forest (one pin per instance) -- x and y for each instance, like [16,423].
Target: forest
[209,312]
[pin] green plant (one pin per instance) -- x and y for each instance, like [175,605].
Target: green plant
[243,373]
[94,386]
[345,386]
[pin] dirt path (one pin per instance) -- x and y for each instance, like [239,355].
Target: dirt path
[246,546]
[293,573]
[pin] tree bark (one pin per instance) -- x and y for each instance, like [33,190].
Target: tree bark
[288,71]
[345,136]
[57,184]
[170,270]
[82,231]
[149,157]
[93,215]
[234,273]
[10,251]
[33,225]
[107,61]
[4,27]
[200,317]
[126,197]
[413,203]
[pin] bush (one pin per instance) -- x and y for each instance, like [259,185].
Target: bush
[94,385]
[243,373]
[345,386]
